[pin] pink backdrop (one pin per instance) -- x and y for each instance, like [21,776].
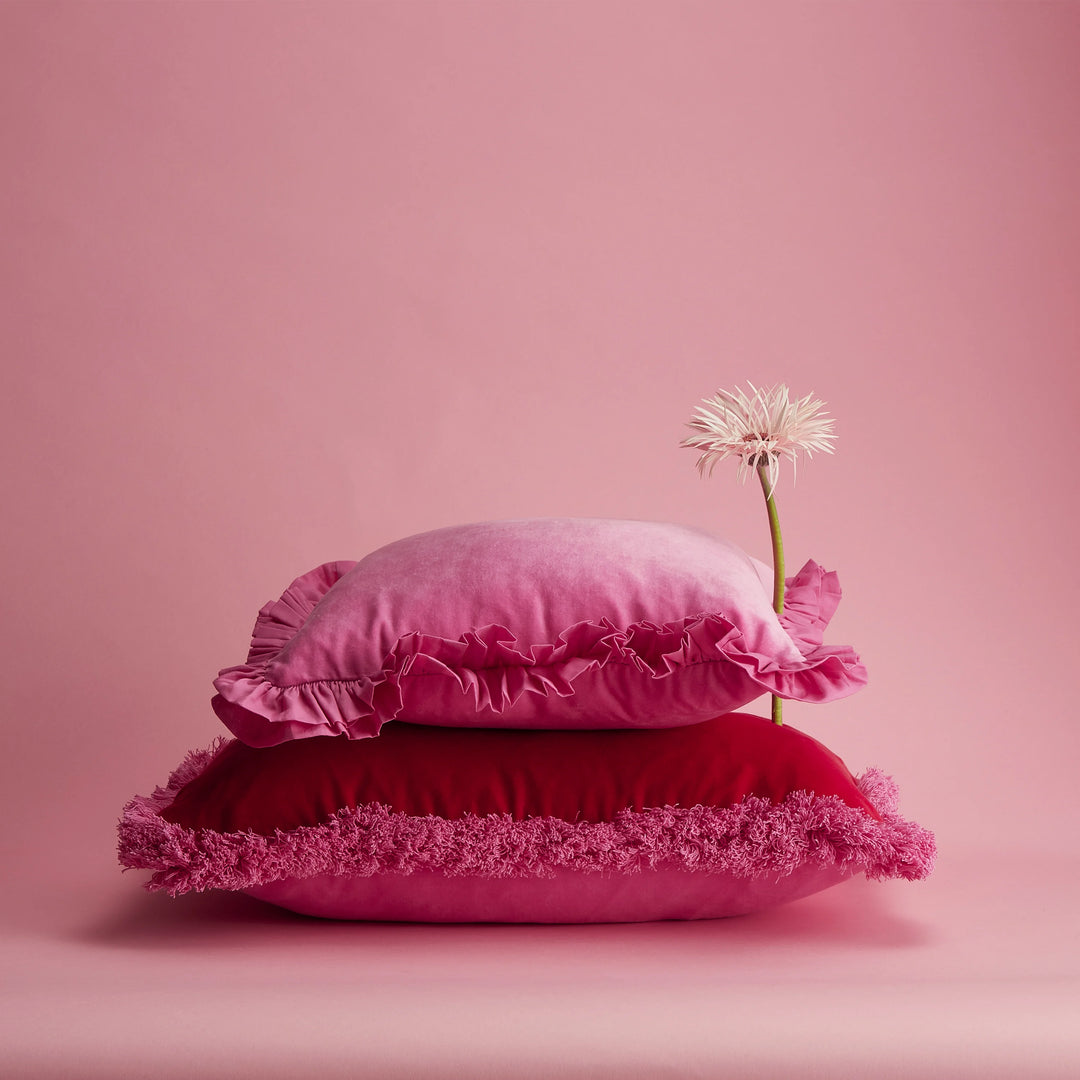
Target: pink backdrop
[283,282]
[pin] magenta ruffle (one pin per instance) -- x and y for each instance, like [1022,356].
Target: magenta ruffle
[750,840]
[489,663]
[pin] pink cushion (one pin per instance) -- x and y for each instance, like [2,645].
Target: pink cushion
[546,623]
[698,822]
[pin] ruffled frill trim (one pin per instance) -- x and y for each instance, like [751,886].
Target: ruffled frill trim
[489,663]
[753,839]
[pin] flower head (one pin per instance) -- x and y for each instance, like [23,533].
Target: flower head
[759,428]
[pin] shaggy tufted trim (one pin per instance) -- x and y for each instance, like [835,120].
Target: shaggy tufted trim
[750,840]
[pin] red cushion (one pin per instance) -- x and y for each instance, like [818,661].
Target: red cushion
[450,772]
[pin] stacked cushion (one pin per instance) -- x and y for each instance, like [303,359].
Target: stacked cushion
[563,745]
[702,821]
[549,623]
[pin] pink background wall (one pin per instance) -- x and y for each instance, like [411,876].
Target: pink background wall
[283,282]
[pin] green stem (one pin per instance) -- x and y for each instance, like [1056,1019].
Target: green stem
[778,566]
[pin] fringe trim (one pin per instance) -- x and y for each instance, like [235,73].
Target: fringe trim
[753,839]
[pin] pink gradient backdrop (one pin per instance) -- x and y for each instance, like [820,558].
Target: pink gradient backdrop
[283,282]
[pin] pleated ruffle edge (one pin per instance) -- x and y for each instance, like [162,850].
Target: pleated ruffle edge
[490,664]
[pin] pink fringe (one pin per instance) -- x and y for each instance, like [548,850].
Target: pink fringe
[752,839]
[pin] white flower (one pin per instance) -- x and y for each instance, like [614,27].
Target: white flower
[759,428]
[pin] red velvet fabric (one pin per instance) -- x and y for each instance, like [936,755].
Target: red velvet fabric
[450,772]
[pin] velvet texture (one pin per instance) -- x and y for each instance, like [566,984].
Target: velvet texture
[370,860]
[546,623]
[568,896]
[451,772]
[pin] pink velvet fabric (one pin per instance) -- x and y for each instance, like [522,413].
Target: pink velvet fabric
[545,623]
[567,897]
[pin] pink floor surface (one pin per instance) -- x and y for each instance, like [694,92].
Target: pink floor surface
[973,973]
